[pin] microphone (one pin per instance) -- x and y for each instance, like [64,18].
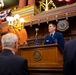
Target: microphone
[36,36]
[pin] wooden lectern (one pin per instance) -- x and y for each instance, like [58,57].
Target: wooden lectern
[43,59]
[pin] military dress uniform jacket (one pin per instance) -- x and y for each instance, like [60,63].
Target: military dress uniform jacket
[56,38]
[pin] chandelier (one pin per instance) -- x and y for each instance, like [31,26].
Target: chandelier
[15,23]
[1,3]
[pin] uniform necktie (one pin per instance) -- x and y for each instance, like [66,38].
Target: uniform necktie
[51,35]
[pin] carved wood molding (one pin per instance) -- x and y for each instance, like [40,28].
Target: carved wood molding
[58,13]
[50,15]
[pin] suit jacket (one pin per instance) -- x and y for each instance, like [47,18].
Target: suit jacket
[11,64]
[70,57]
[57,38]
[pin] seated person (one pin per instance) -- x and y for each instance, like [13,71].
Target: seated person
[54,37]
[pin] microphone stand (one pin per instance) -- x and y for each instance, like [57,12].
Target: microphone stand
[36,36]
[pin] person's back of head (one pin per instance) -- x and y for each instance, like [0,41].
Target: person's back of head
[9,40]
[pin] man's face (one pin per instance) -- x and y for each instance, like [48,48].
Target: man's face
[51,28]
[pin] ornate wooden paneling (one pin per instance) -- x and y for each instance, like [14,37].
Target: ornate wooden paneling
[50,15]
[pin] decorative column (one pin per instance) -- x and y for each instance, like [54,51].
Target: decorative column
[31,2]
[22,3]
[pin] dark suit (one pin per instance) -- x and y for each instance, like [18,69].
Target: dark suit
[11,64]
[57,38]
[70,57]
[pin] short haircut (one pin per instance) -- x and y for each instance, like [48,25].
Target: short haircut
[8,40]
[53,24]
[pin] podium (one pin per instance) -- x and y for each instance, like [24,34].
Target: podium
[43,59]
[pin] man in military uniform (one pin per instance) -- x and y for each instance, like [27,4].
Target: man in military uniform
[54,37]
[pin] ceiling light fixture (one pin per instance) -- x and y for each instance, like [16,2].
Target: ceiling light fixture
[60,0]
[15,23]
[67,0]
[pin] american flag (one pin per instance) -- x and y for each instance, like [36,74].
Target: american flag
[4,14]
[36,41]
